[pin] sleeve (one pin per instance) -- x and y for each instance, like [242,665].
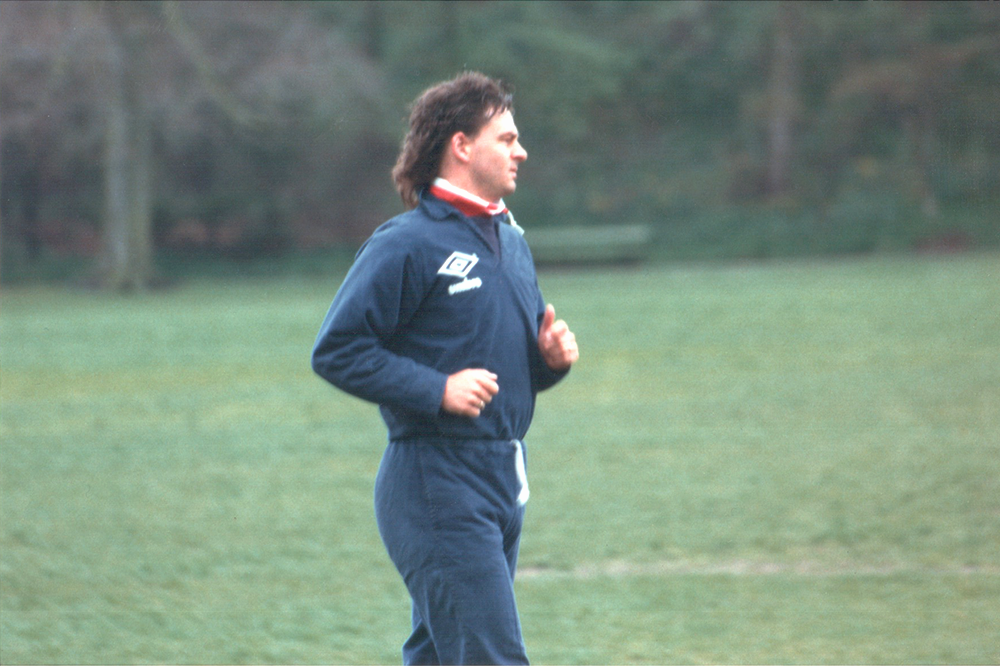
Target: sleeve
[352,351]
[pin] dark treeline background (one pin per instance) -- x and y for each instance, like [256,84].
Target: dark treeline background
[135,134]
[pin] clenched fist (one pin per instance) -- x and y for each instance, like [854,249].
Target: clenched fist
[556,342]
[467,392]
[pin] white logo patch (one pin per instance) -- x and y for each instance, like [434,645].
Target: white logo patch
[458,264]
[464,285]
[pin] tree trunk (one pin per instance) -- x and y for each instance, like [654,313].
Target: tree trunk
[142,199]
[373,30]
[117,189]
[128,246]
[919,149]
[783,101]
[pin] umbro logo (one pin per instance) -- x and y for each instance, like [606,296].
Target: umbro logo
[458,264]
[465,285]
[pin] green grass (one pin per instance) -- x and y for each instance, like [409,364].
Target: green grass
[775,463]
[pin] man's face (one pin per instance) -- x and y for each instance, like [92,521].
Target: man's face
[494,155]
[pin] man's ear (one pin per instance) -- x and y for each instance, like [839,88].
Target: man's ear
[460,146]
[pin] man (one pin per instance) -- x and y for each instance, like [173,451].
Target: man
[441,322]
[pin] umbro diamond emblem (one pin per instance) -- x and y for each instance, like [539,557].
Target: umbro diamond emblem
[458,264]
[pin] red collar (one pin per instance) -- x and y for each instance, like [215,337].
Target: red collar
[466,202]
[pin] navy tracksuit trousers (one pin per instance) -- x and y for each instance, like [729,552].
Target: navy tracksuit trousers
[449,516]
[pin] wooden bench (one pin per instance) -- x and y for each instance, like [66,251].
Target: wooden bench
[590,245]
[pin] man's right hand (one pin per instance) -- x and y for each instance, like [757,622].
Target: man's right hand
[467,392]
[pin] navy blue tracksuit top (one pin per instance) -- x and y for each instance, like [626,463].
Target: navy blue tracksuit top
[428,296]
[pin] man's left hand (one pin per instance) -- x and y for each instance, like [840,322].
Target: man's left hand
[556,342]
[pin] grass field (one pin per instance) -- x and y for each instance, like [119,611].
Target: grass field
[774,463]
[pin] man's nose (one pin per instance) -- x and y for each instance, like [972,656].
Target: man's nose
[520,154]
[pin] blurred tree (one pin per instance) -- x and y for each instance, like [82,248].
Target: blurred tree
[567,76]
[911,90]
[140,81]
[122,31]
[784,98]
[298,117]
[259,124]
[40,99]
